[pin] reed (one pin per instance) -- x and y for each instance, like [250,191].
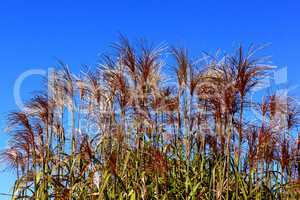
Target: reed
[134,129]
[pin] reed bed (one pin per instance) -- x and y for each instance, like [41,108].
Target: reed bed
[152,123]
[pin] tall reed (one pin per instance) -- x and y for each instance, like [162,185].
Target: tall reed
[134,129]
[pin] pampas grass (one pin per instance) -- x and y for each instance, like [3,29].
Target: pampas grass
[122,132]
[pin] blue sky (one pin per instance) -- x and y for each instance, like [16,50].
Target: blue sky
[34,34]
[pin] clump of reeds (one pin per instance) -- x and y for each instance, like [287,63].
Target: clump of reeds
[133,129]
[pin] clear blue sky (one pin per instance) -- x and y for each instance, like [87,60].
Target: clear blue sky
[34,33]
